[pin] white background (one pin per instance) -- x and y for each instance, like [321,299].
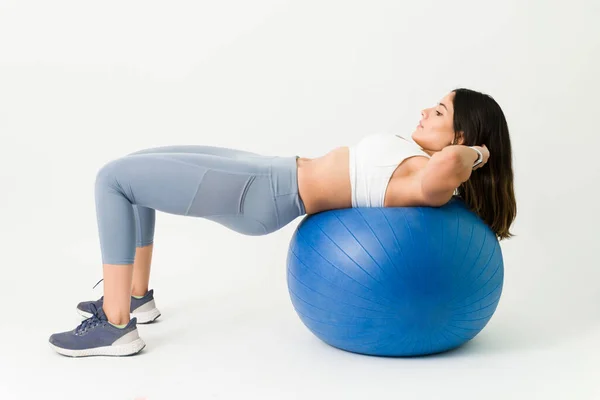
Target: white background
[85,82]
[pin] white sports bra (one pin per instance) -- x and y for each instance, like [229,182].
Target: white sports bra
[373,160]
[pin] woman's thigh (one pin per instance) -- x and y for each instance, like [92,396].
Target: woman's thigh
[198,185]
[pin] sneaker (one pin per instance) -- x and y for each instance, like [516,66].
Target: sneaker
[144,309]
[97,337]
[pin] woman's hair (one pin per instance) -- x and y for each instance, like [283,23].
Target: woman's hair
[489,191]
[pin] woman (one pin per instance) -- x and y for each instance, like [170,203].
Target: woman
[256,195]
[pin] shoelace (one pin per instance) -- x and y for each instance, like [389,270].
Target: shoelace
[90,322]
[97,283]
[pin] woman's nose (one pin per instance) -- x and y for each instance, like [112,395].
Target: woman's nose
[423,113]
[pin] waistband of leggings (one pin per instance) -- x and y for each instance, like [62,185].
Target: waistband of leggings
[284,172]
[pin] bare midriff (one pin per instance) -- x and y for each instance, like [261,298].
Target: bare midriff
[324,182]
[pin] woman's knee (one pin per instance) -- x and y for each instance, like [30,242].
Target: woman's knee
[111,172]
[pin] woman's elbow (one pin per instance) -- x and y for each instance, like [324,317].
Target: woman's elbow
[438,198]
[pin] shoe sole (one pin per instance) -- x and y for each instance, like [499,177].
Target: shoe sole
[121,350]
[145,317]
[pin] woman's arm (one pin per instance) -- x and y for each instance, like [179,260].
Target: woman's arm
[445,171]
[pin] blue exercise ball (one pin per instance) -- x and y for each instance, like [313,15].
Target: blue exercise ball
[395,281]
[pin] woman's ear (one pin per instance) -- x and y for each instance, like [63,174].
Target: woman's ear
[459,139]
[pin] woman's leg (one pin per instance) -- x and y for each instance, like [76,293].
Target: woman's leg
[145,217]
[141,270]
[252,195]
[197,185]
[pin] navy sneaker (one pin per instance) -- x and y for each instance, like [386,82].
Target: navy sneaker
[144,309]
[97,337]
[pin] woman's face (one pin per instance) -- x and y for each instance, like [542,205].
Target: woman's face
[436,128]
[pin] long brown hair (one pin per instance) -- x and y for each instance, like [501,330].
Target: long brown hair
[489,192]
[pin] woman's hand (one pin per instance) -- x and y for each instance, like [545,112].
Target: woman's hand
[486,156]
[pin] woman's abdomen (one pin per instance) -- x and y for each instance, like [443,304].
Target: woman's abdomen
[324,182]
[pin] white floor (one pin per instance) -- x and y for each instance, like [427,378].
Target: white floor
[229,331]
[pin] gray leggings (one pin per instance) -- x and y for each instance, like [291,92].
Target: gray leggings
[246,192]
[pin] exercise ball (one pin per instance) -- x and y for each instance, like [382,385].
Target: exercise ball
[395,281]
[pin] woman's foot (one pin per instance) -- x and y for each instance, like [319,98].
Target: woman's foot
[143,309]
[96,336]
